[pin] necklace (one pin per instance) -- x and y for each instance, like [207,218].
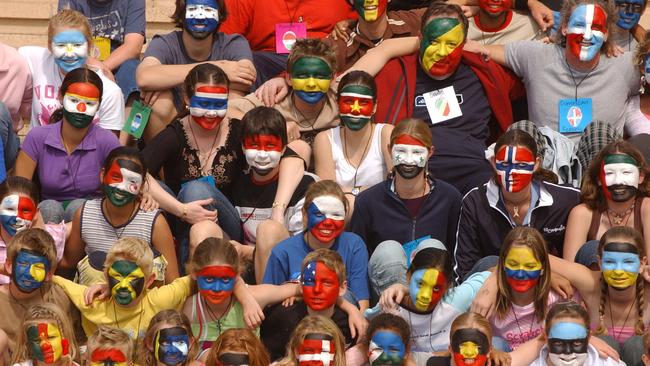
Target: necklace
[111,221]
[611,318]
[203,163]
[310,121]
[532,322]
[577,85]
[618,218]
[363,155]
[216,319]
[137,333]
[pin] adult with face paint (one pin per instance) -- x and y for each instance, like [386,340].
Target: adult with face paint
[102,221]
[69,43]
[516,195]
[31,262]
[323,215]
[323,281]
[498,23]
[567,339]
[410,205]
[629,32]
[169,341]
[237,347]
[67,154]
[430,301]
[637,114]
[170,57]
[215,265]
[316,341]
[109,347]
[615,295]
[355,154]
[18,212]
[585,86]
[46,338]
[387,341]
[613,194]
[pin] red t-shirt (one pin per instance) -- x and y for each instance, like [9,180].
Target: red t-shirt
[256,19]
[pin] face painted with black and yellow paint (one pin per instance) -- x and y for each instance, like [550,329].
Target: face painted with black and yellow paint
[427,286]
[470,347]
[441,47]
[126,281]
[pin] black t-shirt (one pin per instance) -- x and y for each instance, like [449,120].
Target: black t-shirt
[279,322]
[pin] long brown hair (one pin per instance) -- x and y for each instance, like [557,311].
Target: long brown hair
[517,137]
[239,340]
[533,239]
[630,235]
[591,193]
[315,324]
[171,317]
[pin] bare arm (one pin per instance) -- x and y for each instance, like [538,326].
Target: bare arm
[495,52]
[385,141]
[577,228]
[163,241]
[291,173]
[74,246]
[583,279]
[271,294]
[131,48]
[375,59]
[645,217]
[323,160]
[527,353]
[25,166]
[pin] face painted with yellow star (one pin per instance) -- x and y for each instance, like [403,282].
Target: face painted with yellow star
[441,47]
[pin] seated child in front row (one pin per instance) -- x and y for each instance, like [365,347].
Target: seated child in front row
[46,338]
[109,347]
[169,341]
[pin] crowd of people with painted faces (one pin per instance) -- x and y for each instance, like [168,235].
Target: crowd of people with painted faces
[354,182]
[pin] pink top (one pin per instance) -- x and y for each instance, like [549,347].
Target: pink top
[519,324]
[15,83]
[58,234]
[620,334]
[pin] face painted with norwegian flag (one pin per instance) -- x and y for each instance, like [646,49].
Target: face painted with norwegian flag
[586,31]
[320,286]
[515,166]
[17,213]
[326,218]
[316,349]
[263,152]
[208,105]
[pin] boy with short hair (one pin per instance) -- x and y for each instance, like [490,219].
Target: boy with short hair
[31,262]
[108,347]
[323,281]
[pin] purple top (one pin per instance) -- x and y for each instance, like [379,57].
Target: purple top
[62,176]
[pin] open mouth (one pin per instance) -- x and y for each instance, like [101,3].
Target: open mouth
[370,7]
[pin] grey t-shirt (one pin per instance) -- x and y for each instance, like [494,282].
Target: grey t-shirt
[112,19]
[548,80]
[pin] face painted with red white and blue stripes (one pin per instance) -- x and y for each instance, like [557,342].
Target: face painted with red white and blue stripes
[326,218]
[515,166]
[587,31]
[208,105]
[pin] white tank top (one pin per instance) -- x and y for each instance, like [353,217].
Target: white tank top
[372,169]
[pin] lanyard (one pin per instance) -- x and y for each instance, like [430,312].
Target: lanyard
[293,16]
[574,79]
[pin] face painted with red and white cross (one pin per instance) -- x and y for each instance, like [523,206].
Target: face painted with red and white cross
[586,31]
[263,152]
[515,166]
[316,349]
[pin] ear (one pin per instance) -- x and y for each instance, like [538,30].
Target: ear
[563,29]
[432,150]
[8,267]
[645,359]
[152,277]
[538,163]
[101,175]
[287,78]
[343,289]
[644,260]
[48,276]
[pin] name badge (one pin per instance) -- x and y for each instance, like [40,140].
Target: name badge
[442,104]
[102,48]
[286,35]
[575,114]
[138,118]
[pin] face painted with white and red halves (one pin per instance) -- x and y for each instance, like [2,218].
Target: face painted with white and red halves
[263,152]
[16,213]
[326,218]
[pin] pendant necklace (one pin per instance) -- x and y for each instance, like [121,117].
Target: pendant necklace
[618,218]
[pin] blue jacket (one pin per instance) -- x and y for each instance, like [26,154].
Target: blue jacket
[379,215]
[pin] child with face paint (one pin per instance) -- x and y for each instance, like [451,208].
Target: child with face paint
[169,341]
[324,222]
[46,338]
[60,154]
[69,44]
[355,154]
[410,205]
[615,295]
[117,214]
[567,339]
[497,23]
[237,347]
[429,301]
[517,194]
[18,212]
[323,282]
[109,347]
[30,264]
[214,308]
[316,341]
[614,194]
[387,341]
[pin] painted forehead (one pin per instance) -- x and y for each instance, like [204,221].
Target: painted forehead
[210,3]
[69,36]
[590,13]
[310,64]
[520,153]
[211,91]
[621,247]
[86,90]
[469,335]
[356,90]
[620,159]
[405,139]
[318,337]
[329,203]
[128,165]
[567,330]
[439,26]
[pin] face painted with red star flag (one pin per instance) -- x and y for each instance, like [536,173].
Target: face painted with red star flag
[208,105]
[320,286]
[326,218]
[515,166]
[316,349]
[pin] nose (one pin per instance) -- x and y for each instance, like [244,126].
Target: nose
[424,295]
[588,33]
[69,48]
[311,83]
[318,287]
[81,107]
[520,274]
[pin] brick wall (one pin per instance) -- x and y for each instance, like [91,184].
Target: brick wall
[24,22]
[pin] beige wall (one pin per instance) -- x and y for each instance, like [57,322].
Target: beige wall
[24,22]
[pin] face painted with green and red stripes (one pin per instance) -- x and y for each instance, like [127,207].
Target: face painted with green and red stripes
[441,47]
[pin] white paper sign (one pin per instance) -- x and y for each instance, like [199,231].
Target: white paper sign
[442,104]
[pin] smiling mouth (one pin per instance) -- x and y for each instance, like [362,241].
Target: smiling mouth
[370,7]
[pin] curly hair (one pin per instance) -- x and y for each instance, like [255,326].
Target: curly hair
[179,13]
[567,10]
[642,50]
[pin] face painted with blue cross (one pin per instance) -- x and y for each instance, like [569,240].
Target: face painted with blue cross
[29,270]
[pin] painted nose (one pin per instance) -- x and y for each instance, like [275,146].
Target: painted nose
[81,107]
[318,287]
[311,83]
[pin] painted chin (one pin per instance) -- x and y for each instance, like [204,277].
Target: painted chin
[317,303]
[215,297]
[521,285]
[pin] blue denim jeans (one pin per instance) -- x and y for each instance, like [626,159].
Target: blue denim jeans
[268,65]
[53,212]
[8,137]
[125,77]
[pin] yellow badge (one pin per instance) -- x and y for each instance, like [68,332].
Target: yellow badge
[102,48]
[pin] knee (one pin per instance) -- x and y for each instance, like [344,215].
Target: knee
[51,211]
[72,208]
[387,265]
[196,190]
[389,251]
[268,234]
[302,149]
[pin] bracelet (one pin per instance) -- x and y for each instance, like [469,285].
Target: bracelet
[279,204]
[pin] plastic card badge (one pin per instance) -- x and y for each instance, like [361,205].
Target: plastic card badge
[102,48]
[442,104]
[137,120]
[286,35]
[575,114]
